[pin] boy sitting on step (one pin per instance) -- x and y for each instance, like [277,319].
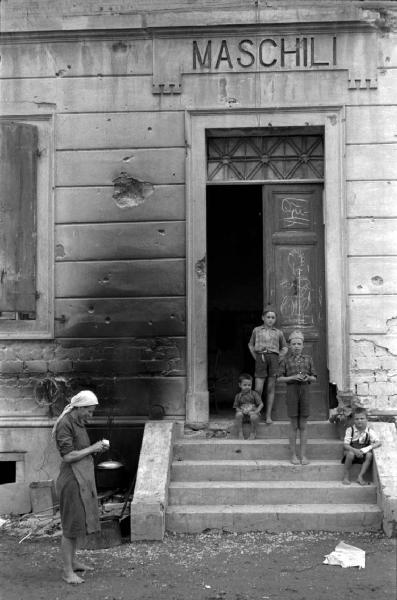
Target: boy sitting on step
[248,405]
[358,444]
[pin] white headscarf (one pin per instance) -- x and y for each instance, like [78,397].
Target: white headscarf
[84,398]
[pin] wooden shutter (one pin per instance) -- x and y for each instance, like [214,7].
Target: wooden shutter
[18,201]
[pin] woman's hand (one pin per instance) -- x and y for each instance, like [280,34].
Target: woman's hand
[100,446]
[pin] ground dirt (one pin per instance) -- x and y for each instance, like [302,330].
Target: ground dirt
[209,566]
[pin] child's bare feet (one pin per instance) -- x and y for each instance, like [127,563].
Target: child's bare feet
[240,435]
[252,435]
[72,578]
[362,481]
[305,461]
[294,460]
[346,481]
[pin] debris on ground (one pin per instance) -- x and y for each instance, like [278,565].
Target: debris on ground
[345,556]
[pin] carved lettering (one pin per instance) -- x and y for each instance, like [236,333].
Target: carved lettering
[197,56]
[261,45]
[312,52]
[284,52]
[223,55]
[268,53]
[244,50]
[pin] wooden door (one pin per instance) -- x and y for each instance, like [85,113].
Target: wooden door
[293,253]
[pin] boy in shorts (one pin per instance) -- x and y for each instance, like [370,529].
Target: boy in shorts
[248,405]
[297,371]
[358,444]
[267,345]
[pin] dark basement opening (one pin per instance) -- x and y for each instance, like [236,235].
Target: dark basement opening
[7,471]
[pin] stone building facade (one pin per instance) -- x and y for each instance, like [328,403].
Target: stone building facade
[191,163]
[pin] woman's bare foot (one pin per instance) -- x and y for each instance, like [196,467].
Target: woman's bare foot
[295,460]
[78,566]
[305,461]
[72,578]
[346,481]
[268,421]
[252,436]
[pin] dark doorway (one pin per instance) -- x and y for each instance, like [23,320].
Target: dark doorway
[235,286]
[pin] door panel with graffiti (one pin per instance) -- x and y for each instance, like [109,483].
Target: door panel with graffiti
[293,252]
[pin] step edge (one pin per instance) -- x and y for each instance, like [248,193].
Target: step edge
[271,508]
[228,484]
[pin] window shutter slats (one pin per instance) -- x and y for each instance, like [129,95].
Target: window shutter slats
[18,201]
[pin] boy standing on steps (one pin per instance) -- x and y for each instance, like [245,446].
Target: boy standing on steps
[248,405]
[358,444]
[297,371]
[267,345]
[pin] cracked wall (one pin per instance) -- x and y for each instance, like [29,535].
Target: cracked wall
[374,374]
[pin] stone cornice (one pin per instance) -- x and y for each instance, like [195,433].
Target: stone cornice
[66,18]
[313,27]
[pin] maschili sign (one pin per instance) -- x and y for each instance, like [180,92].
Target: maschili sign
[266,53]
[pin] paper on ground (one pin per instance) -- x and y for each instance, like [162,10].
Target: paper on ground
[345,555]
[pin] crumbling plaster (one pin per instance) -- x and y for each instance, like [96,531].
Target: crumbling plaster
[374,373]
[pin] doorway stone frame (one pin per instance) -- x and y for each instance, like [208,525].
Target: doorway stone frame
[331,118]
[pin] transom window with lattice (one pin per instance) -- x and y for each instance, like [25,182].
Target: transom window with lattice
[252,158]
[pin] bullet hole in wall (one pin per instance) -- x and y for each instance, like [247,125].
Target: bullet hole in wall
[130,192]
[377,280]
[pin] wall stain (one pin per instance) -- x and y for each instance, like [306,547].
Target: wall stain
[119,47]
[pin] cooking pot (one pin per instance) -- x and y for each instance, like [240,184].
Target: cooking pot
[110,474]
[110,464]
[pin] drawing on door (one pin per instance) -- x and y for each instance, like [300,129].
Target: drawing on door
[293,259]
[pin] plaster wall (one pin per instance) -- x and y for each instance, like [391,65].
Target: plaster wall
[120,270]
[37,460]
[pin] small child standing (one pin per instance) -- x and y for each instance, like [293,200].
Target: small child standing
[266,345]
[358,444]
[297,371]
[248,405]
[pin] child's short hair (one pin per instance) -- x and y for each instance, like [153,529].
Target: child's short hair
[360,410]
[269,308]
[244,376]
[296,334]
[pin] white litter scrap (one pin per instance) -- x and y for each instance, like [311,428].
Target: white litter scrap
[345,556]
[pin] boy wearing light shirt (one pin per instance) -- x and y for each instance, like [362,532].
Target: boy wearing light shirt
[358,445]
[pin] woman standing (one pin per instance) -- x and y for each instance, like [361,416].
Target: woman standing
[78,501]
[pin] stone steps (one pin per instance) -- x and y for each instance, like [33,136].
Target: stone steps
[250,485]
[259,449]
[274,518]
[256,470]
[269,492]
